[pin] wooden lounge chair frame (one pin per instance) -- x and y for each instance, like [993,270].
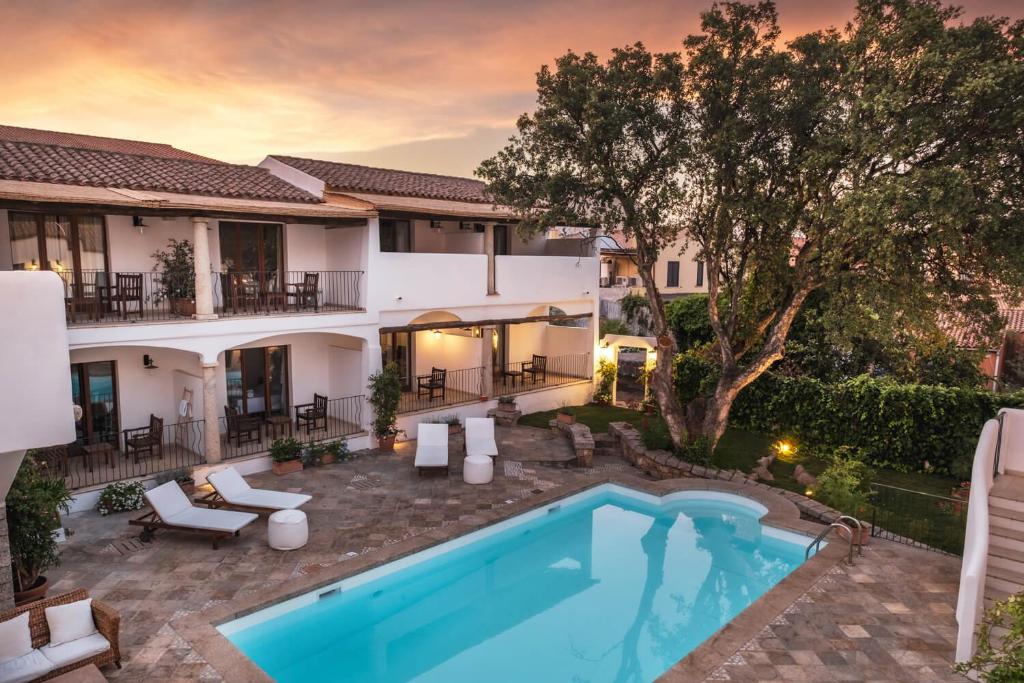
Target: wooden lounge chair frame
[151,521]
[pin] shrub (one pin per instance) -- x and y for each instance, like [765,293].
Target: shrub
[844,485]
[285,450]
[689,321]
[637,311]
[121,496]
[339,449]
[1004,664]
[182,475]
[385,393]
[656,436]
[606,372]
[613,326]
[694,375]
[34,504]
[697,452]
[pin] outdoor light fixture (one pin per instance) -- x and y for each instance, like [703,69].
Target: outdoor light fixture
[137,223]
[437,334]
[784,447]
[148,362]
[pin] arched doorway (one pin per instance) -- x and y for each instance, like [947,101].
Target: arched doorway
[633,357]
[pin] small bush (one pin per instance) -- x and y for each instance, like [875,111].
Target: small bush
[1004,664]
[121,496]
[656,436]
[606,372]
[844,485]
[698,452]
[613,326]
[285,450]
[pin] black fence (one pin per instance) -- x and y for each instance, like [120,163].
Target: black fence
[542,372]
[286,291]
[253,435]
[919,519]
[446,388]
[97,296]
[115,456]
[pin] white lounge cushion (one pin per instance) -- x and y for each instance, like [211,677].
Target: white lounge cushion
[25,668]
[480,436]
[70,622]
[15,638]
[75,650]
[167,500]
[431,445]
[211,520]
[235,490]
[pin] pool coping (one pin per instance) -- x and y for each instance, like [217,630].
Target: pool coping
[199,629]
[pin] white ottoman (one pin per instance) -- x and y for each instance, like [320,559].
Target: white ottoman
[287,530]
[478,469]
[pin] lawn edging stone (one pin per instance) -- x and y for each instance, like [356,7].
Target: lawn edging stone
[664,465]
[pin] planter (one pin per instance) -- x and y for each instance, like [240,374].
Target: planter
[286,467]
[36,592]
[186,308]
[566,419]
[328,458]
[386,443]
[454,429]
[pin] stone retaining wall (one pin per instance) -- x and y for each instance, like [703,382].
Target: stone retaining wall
[665,465]
[580,437]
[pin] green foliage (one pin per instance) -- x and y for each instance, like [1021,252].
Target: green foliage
[1005,663]
[567,410]
[182,475]
[606,373]
[637,310]
[34,504]
[694,375]
[905,427]
[613,326]
[176,265]
[844,485]
[689,321]
[656,435]
[385,393]
[122,496]
[285,450]
[697,451]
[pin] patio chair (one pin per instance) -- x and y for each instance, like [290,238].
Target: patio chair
[128,291]
[243,292]
[172,510]
[305,294]
[242,428]
[313,415]
[145,440]
[428,384]
[232,491]
[480,437]
[431,447]
[538,366]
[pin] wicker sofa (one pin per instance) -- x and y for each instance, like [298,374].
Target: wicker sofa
[107,620]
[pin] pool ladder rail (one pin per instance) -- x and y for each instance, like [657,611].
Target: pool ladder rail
[844,525]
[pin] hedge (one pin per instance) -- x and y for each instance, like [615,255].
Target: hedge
[907,427]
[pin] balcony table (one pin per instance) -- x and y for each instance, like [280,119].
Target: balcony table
[95,450]
[514,375]
[278,423]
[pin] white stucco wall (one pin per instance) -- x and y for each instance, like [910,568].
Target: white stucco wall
[449,350]
[526,339]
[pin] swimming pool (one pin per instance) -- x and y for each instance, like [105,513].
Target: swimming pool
[609,585]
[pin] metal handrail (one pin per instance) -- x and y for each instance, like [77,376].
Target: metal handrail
[825,532]
[861,526]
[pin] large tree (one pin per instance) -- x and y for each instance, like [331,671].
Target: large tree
[881,163]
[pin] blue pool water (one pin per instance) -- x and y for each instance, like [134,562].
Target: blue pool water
[608,586]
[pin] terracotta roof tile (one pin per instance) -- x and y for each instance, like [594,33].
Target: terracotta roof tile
[341,176]
[100,168]
[968,336]
[51,137]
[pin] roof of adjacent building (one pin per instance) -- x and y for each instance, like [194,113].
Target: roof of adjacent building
[339,176]
[968,336]
[51,137]
[68,165]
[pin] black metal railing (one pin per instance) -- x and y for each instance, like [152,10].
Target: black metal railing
[541,373]
[456,386]
[919,519]
[286,291]
[99,296]
[252,435]
[116,456]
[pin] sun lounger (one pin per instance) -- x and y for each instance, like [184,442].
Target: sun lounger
[480,437]
[431,446]
[173,510]
[230,490]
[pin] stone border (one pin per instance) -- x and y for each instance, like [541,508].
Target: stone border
[664,465]
[199,628]
[580,437]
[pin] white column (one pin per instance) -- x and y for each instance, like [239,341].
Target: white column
[487,361]
[489,250]
[371,362]
[211,425]
[204,280]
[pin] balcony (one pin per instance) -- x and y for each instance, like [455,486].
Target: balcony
[254,435]
[293,291]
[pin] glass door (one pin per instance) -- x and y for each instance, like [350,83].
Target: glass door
[94,391]
[396,347]
[499,351]
[73,246]
[257,380]
[252,256]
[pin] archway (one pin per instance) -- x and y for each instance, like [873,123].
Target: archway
[633,357]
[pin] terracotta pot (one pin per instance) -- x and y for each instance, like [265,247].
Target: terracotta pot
[36,592]
[328,458]
[286,467]
[386,444]
[566,419]
[454,429]
[183,307]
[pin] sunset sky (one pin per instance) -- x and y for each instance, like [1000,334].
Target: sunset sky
[430,86]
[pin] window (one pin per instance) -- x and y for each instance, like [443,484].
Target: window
[64,244]
[395,235]
[396,347]
[501,241]
[673,274]
[257,380]
[700,273]
[94,390]
[250,247]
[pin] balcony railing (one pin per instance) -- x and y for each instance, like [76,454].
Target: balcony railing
[98,296]
[458,386]
[115,456]
[545,372]
[253,435]
[286,291]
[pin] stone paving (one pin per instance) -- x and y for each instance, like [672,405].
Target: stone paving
[889,618]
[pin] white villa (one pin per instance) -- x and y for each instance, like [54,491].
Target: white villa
[308,275]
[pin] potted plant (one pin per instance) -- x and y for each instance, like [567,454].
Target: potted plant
[507,403]
[335,451]
[177,282]
[182,475]
[385,393]
[34,505]
[566,415]
[454,425]
[123,496]
[286,455]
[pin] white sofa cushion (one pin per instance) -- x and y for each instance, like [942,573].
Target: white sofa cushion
[229,483]
[15,638]
[70,622]
[75,650]
[167,500]
[25,668]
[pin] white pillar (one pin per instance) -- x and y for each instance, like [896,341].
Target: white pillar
[372,362]
[211,425]
[204,280]
[487,361]
[489,250]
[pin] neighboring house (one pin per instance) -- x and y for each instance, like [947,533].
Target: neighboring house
[307,276]
[677,271]
[1003,360]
